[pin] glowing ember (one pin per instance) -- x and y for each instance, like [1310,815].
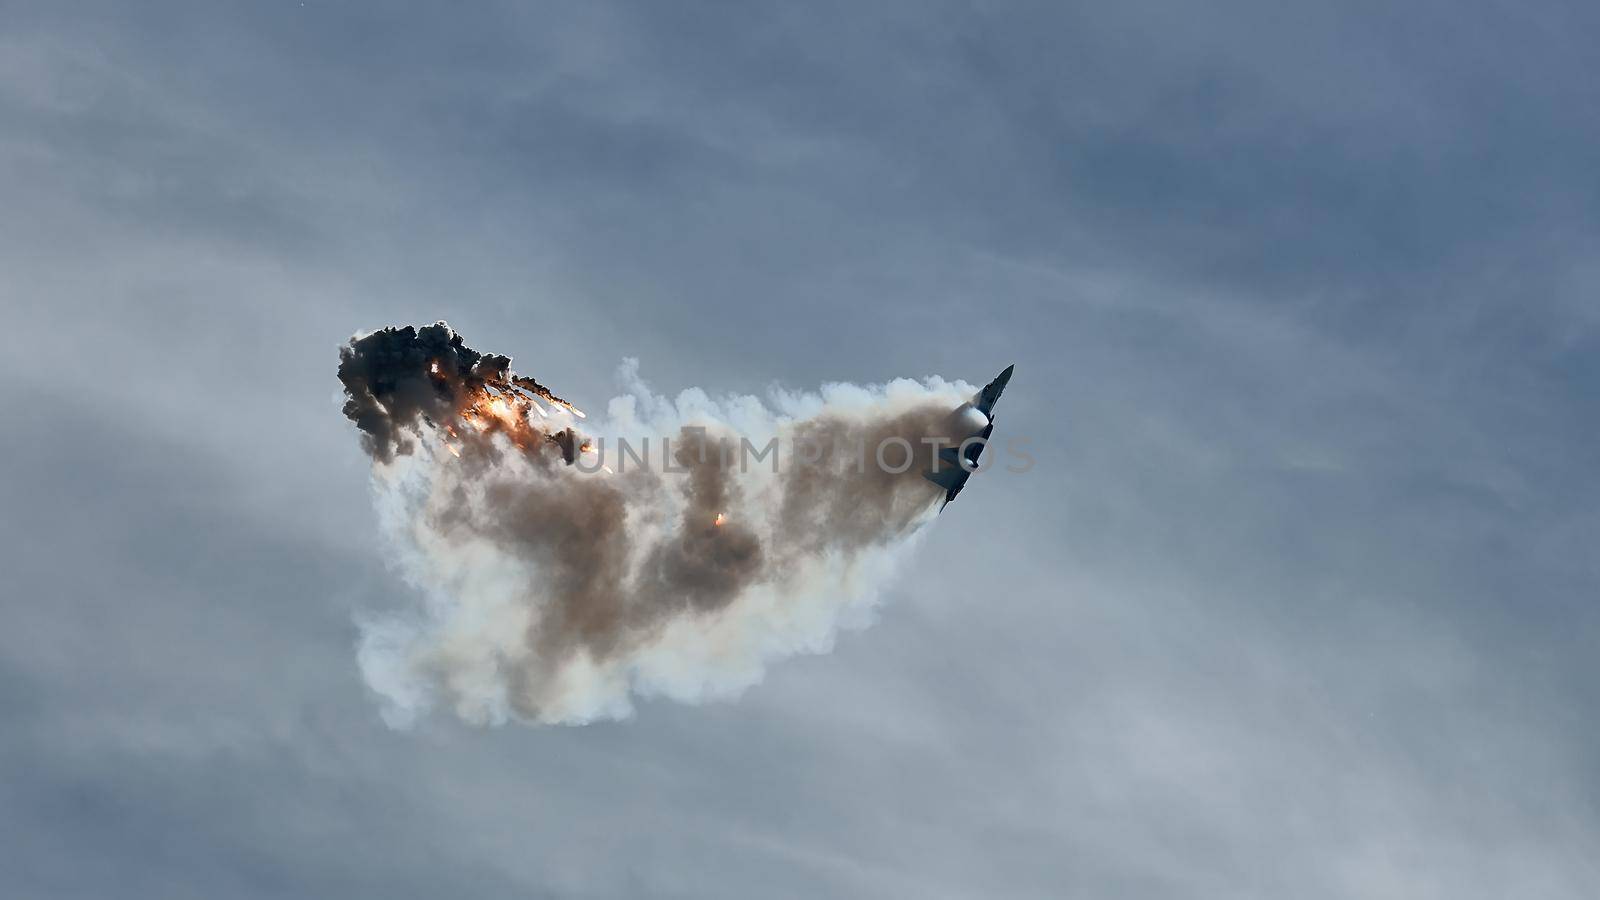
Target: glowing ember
[453,451]
[721,517]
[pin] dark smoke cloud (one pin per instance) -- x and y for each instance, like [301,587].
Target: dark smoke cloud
[397,380]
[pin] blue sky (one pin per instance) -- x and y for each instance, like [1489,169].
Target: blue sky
[1298,601]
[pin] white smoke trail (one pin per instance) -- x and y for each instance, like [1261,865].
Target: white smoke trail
[513,619]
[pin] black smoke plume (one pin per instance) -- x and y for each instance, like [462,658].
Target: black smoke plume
[398,380]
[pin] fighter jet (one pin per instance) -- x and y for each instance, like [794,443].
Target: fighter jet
[972,420]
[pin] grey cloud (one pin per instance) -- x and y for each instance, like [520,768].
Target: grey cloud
[1297,602]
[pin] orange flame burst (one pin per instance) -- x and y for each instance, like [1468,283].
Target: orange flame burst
[497,407]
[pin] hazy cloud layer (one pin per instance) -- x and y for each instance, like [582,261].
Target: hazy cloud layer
[1298,601]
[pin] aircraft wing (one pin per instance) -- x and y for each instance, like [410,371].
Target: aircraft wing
[990,395]
[957,465]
